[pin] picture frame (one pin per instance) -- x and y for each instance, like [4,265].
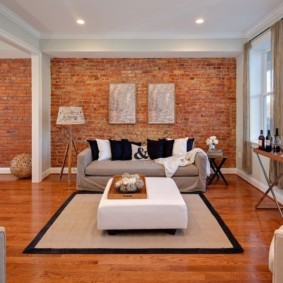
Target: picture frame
[122,104]
[161,103]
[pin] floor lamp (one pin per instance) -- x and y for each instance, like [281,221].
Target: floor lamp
[68,116]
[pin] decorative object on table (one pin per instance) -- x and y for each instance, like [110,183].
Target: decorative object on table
[215,152]
[261,141]
[69,116]
[133,187]
[212,141]
[268,142]
[122,104]
[161,104]
[129,183]
[20,165]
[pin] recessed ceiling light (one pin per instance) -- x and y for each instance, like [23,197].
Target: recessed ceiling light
[80,22]
[199,21]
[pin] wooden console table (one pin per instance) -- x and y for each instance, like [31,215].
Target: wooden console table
[271,184]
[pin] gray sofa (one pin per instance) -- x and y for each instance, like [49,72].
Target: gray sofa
[94,175]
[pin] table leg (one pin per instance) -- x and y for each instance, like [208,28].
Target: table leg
[217,170]
[270,189]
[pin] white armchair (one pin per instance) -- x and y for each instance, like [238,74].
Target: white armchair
[276,256]
[2,255]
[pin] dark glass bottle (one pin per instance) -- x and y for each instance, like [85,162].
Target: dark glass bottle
[261,140]
[268,142]
[277,141]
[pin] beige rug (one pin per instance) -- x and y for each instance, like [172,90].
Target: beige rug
[73,229]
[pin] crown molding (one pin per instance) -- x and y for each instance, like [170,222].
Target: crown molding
[130,36]
[265,22]
[18,20]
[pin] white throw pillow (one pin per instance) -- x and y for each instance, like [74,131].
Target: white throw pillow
[180,146]
[139,152]
[104,149]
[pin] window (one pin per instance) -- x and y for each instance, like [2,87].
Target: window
[261,86]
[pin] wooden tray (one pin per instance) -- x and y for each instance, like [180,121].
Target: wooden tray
[114,194]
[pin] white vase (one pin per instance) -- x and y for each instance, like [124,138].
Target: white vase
[212,146]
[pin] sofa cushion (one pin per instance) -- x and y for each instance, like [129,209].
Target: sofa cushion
[190,143]
[168,148]
[180,146]
[139,152]
[104,149]
[94,149]
[116,149]
[146,167]
[155,148]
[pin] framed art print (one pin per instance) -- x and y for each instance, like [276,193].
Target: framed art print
[122,104]
[161,104]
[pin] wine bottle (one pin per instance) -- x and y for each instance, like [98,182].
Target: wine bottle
[277,141]
[261,139]
[268,142]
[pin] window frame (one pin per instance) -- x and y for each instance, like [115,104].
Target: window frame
[259,91]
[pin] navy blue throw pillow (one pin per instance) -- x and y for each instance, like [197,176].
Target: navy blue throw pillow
[190,144]
[155,148]
[94,149]
[126,150]
[168,148]
[116,149]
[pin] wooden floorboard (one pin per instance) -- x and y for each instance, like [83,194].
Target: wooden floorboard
[26,207]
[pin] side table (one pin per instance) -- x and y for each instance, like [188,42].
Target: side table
[271,183]
[216,167]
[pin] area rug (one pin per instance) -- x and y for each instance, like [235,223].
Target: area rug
[73,230]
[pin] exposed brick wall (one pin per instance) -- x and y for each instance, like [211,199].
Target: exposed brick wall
[15,109]
[205,91]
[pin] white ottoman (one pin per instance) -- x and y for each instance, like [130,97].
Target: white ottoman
[164,208]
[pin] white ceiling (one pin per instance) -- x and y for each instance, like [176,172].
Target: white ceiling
[142,19]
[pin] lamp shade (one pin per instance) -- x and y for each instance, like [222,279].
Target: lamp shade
[69,115]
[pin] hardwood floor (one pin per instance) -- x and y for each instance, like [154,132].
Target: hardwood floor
[25,208]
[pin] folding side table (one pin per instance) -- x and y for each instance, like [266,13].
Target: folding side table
[216,167]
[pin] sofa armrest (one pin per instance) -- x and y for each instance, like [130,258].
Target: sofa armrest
[2,255]
[276,256]
[200,161]
[83,159]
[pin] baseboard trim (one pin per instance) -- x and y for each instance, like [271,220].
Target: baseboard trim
[229,170]
[260,186]
[5,171]
[57,170]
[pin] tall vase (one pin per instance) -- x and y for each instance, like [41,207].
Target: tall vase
[212,146]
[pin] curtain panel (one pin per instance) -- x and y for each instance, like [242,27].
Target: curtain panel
[277,61]
[247,148]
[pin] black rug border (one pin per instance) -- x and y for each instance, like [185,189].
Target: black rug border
[30,249]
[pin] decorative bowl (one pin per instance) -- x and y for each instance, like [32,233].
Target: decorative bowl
[129,183]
